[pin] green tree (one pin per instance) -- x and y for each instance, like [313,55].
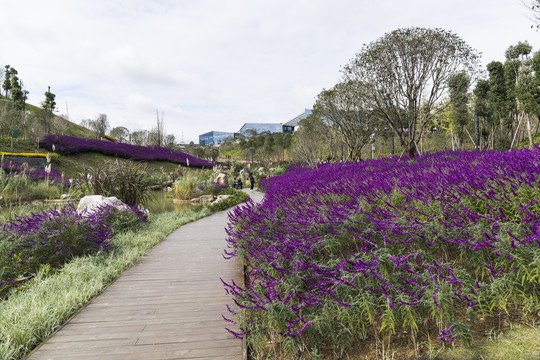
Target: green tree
[214,154]
[309,142]
[169,142]
[139,137]
[120,133]
[405,75]
[49,106]
[9,73]
[498,100]
[484,111]
[521,81]
[344,107]
[458,85]
[100,125]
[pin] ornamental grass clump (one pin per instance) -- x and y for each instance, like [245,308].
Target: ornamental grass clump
[128,181]
[389,250]
[57,235]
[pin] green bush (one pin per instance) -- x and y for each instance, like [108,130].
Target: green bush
[128,181]
[237,197]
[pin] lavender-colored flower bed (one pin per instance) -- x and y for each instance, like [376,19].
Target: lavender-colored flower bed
[57,235]
[370,248]
[35,173]
[64,144]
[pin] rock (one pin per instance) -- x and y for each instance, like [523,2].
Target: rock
[222,179]
[65,197]
[91,202]
[244,174]
[203,198]
[219,198]
[207,198]
[168,189]
[260,170]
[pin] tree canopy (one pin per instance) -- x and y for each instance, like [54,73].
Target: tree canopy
[406,73]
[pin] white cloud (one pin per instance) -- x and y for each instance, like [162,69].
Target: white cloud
[213,65]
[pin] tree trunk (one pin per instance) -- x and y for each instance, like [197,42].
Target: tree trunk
[411,150]
[531,144]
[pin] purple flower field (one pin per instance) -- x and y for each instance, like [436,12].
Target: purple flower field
[57,235]
[367,250]
[65,145]
[37,174]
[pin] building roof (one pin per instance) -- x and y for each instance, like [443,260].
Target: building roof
[294,122]
[260,127]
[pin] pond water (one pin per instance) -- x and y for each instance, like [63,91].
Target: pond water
[161,202]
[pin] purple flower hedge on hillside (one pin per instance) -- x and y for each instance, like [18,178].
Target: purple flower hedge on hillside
[366,248]
[64,144]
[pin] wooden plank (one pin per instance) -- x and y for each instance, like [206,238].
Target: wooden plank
[167,306]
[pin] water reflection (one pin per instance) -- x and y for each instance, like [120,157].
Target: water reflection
[160,202]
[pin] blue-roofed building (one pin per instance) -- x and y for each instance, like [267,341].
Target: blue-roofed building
[214,137]
[260,128]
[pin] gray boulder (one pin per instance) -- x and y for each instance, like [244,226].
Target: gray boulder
[90,203]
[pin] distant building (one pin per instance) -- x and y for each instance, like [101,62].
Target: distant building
[291,125]
[214,138]
[260,128]
[217,137]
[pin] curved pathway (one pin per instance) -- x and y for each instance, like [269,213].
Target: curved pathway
[167,306]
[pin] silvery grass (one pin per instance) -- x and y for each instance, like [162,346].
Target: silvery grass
[31,314]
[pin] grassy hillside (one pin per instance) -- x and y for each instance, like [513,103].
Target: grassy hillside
[34,120]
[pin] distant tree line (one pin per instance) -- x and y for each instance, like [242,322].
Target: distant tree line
[413,82]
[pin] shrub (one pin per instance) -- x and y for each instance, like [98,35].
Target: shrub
[128,181]
[185,187]
[236,198]
[57,235]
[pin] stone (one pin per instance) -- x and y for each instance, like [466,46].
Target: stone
[168,189]
[222,179]
[244,174]
[91,202]
[207,198]
[220,198]
[261,170]
[65,197]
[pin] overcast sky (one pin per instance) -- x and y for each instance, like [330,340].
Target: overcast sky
[215,65]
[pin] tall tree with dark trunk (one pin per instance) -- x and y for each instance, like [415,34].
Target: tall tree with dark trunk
[482,108]
[406,74]
[459,104]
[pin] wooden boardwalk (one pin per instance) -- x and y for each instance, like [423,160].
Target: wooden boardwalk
[167,306]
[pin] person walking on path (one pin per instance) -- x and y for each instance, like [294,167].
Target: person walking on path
[251,180]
